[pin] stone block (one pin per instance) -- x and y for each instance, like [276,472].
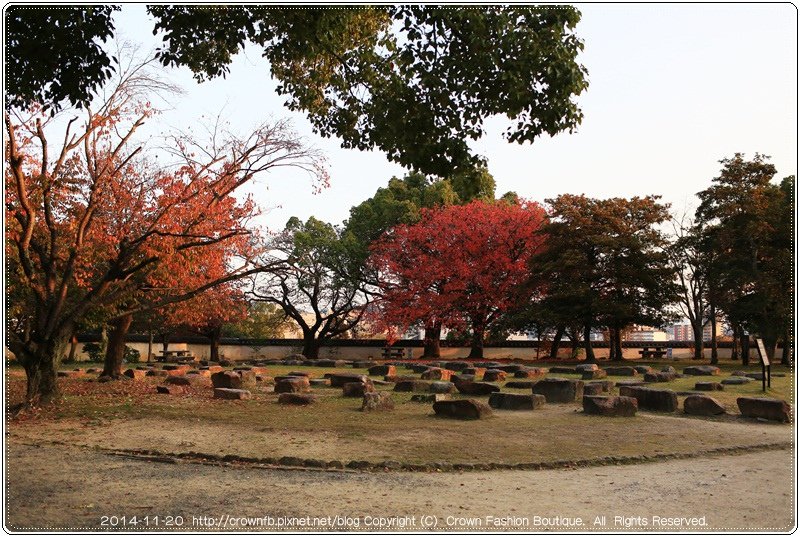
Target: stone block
[377,401]
[766,408]
[614,406]
[297,399]
[494,375]
[465,409]
[515,401]
[702,405]
[230,393]
[651,398]
[558,390]
[701,370]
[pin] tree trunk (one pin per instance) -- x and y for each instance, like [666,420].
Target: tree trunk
[697,332]
[310,346]
[714,353]
[587,344]
[476,352]
[576,343]
[214,335]
[611,343]
[745,349]
[556,342]
[149,346]
[103,340]
[735,344]
[41,363]
[617,335]
[115,351]
[73,345]
[433,335]
[770,344]
[785,349]
[164,342]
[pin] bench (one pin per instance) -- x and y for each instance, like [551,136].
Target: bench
[653,352]
[179,356]
[393,352]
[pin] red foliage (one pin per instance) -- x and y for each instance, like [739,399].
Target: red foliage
[460,265]
[94,223]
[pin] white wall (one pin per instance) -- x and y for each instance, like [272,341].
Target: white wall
[241,352]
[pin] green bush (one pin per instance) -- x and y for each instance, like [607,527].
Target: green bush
[94,351]
[132,356]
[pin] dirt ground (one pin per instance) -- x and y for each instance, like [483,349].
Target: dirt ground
[82,489]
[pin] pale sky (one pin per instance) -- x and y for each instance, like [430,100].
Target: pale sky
[673,89]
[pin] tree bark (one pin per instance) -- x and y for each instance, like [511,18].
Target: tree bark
[310,346]
[735,344]
[785,349]
[745,349]
[149,346]
[697,332]
[115,351]
[556,341]
[214,335]
[713,319]
[770,344]
[611,343]
[476,352]
[41,361]
[587,344]
[433,335]
[73,345]
[576,343]
[103,340]
[617,335]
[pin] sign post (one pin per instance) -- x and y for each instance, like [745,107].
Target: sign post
[766,374]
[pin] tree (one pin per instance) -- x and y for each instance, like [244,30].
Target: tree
[690,263]
[55,55]
[745,215]
[262,321]
[606,266]
[414,81]
[400,202]
[463,266]
[209,312]
[88,222]
[310,282]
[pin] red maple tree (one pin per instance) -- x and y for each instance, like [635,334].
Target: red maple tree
[92,222]
[462,266]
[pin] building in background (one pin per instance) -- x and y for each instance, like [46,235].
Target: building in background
[646,333]
[683,332]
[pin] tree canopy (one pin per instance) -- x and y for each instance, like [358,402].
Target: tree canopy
[56,55]
[748,227]
[607,266]
[461,266]
[310,282]
[414,81]
[91,221]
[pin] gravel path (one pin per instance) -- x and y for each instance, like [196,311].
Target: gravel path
[66,488]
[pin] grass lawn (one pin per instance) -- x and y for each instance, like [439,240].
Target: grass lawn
[130,415]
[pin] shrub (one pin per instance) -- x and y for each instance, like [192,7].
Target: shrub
[132,356]
[94,351]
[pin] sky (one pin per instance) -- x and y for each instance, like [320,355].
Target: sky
[673,89]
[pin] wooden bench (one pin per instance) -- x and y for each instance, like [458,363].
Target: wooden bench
[654,352]
[180,356]
[393,352]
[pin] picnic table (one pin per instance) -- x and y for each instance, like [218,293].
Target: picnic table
[181,355]
[393,352]
[652,352]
